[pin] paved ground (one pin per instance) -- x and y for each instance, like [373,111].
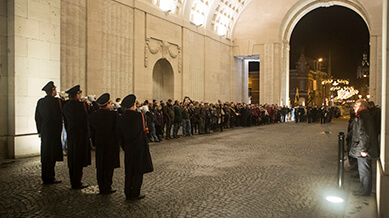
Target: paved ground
[279,170]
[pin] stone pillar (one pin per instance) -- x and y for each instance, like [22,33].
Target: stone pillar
[382,164]
[140,61]
[33,60]
[267,75]
[375,68]
[245,83]
[284,95]
[3,80]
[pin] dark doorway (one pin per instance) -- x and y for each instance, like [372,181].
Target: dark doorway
[253,80]
[163,80]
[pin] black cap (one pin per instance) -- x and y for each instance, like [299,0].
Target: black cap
[49,87]
[170,100]
[128,101]
[75,90]
[103,100]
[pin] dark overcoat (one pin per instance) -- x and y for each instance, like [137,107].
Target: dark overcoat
[364,136]
[48,118]
[103,133]
[76,124]
[133,140]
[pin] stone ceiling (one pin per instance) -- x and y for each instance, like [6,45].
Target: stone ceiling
[216,15]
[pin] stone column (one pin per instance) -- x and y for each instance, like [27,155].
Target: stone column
[285,74]
[382,164]
[33,60]
[140,60]
[375,68]
[3,80]
[245,84]
[267,75]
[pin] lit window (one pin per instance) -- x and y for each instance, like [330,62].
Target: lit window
[225,15]
[221,30]
[198,12]
[173,6]
[165,5]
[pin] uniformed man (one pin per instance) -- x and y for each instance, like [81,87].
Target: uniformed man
[133,139]
[103,133]
[76,124]
[48,118]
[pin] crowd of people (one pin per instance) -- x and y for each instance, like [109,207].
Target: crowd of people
[165,119]
[101,124]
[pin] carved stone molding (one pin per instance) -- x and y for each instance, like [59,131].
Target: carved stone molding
[153,46]
[168,49]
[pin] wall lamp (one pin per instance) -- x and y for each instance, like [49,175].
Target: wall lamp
[168,12]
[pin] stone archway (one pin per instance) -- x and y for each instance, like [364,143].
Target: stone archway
[295,14]
[163,80]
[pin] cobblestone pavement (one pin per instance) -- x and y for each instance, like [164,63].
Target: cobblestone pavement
[279,170]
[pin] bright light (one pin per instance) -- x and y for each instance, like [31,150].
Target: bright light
[165,5]
[198,19]
[222,25]
[199,9]
[335,199]
[320,59]
[368,96]
[359,96]
[364,75]
[221,30]
[345,92]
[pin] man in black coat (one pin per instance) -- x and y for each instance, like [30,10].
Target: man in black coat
[48,118]
[364,145]
[177,118]
[103,133]
[133,139]
[168,115]
[76,124]
[376,115]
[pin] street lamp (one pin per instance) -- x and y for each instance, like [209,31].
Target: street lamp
[318,63]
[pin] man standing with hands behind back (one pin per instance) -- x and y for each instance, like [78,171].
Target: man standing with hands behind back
[48,118]
[364,145]
[103,134]
[133,139]
[76,123]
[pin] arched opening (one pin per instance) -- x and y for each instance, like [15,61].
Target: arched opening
[329,44]
[288,25]
[163,80]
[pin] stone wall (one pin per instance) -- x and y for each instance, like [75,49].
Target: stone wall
[112,46]
[3,80]
[33,60]
[217,71]
[73,44]
[193,71]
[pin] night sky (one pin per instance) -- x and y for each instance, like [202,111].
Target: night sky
[338,29]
